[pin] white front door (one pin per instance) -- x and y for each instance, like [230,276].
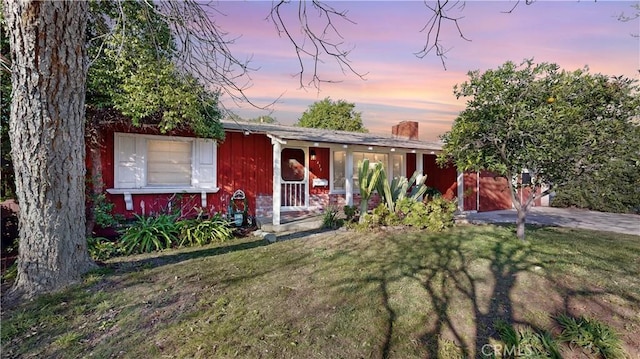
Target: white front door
[294,189]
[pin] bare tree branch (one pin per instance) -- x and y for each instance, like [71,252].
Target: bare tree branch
[440,14]
[433,28]
[319,38]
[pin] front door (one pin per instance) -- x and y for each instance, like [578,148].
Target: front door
[294,188]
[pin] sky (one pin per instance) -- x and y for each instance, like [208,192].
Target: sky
[384,36]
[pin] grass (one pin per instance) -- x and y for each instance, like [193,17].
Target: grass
[338,295]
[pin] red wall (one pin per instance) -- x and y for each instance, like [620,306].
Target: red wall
[494,192]
[444,179]
[244,162]
[319,168]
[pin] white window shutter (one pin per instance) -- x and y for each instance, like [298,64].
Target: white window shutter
[204,165]
[129,161]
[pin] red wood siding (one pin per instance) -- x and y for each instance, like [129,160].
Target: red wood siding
[492,195]
[470,191]
[494,192]
[411,164]
[244,162]
[444,179]
[319,168]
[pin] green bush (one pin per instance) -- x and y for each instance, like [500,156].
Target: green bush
[440,213]
[148,234]
[204,231]
[614,188]
[102,210]
[526,343]
[101,248]
[397,190]
[350,212]
[435,215]
[330,218]
[592,335]
[413,213]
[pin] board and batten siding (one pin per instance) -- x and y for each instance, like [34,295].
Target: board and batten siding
[243,162]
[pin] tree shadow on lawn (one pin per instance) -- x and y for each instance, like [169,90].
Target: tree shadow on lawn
[154,260]
[471,283]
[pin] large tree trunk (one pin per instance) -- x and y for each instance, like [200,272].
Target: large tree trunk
[47,138]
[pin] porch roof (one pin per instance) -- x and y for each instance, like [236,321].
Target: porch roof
[323,136]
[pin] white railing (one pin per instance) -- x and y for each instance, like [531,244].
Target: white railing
[293,194]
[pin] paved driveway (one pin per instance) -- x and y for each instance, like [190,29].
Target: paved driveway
[565,217]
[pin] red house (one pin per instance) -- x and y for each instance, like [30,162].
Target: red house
[284,171]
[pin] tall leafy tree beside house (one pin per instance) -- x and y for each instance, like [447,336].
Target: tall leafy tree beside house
[334,115]
[132,72]
[133,79]
[559,126]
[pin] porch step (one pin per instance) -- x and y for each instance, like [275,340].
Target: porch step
[305,224]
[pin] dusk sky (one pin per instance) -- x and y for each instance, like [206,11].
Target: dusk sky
[399,86]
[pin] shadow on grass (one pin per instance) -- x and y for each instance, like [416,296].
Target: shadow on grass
[127,266]
[469,284]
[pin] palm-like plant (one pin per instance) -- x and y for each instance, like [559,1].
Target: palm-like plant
[398,188]
[368,177]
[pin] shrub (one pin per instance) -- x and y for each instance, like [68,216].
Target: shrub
[350,212]
[413,213]
[397,190]
[148,234]
[101,248]
[592,335]
[368,179]
[527,343]
[330,218]
[440,213]
[200,231]
[102,210]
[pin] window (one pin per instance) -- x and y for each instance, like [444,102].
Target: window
[169,163]
[293,164]
[339,159]
[359,157]
[162,162]
[397,166]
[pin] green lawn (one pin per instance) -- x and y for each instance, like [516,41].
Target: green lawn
[337,295]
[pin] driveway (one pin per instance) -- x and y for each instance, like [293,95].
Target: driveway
[565,217]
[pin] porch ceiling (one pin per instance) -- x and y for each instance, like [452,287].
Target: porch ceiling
[331,136]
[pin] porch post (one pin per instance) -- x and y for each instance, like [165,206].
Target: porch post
[348,181]
[420,167]
[277,175]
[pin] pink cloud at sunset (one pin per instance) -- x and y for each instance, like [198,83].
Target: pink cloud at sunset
[399,86]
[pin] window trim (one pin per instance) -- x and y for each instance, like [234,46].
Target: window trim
[140,148]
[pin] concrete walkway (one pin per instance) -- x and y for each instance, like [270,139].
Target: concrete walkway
[564,217]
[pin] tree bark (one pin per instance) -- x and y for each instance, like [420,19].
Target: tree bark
[46,130]
[521,219]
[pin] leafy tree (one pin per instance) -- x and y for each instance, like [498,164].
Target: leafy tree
[335,115]
[613,188]
[133,73]
[559,125]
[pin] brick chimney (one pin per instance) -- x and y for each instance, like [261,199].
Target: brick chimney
[406,129]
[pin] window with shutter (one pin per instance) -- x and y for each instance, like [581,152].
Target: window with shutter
[164,164]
